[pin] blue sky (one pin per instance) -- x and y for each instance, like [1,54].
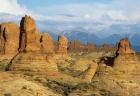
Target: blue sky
[89,9]
[38,5]
[93,16]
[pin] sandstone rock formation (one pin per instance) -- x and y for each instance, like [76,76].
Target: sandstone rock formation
[47,43]
[124,47]
[107,48]
[30,58]
[33,62]
[9,38]
[90,47]
[81,64]
[126,60]
[76,46]
[90,72]
[29,36]
[62,45]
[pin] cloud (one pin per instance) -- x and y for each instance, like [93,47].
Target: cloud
[89,17]
[12,7]
[11,10]
[93,17]
[107,13]
[125,10]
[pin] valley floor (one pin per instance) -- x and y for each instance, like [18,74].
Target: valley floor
[67,81]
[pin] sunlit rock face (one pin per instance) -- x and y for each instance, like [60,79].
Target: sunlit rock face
[33,63]
[90,47]
[124,47]
[62,45]
[76,46]
[126,59]
[29,35]
[9,38]
[30,58]
[47,45]
[90,72]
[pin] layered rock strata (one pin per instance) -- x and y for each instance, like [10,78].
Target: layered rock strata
[76,46]
[47,45]
[90,72]
[30,58]
[33,62]
[62,45]
[29,35]
[9,38]
[126,59]
[90,47]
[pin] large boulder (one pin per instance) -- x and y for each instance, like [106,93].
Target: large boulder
[9,38]
[47,43]
[29,35]
[62,45]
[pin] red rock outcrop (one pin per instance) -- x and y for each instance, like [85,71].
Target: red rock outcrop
[107,48]
[124,47]
[76,46]
[90,47]
[9,38]
[47,43]
[29,35]
[62,45]
[32,62]
[30,58]
[126,59]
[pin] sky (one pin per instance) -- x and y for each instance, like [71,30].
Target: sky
[92,16]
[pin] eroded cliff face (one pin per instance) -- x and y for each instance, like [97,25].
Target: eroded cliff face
[90,72]
[126,59]
[29,35]
[76,46]
[47,45]
[62,45]
[124,47]
[91,47]
[72,75]
[9,38]
[31,58]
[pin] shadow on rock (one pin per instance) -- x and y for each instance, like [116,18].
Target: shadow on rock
[107,60]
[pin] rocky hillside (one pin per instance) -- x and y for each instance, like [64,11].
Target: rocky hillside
[32,64]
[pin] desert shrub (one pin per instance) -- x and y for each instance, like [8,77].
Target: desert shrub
[24,87]
[106,93]
[3,65]
[7,94]
[28,74]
